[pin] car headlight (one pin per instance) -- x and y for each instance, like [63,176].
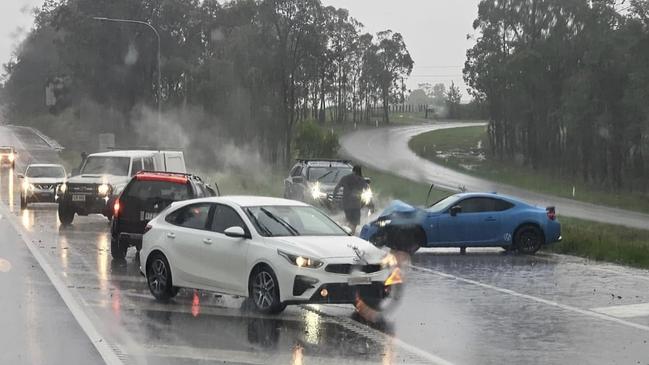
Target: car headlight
[383,221]
[316,192]
[389,260]
[300,261]
[366,196]
[63,188]
[28,186]
[103,189]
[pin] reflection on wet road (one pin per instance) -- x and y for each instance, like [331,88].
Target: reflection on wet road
[485,307]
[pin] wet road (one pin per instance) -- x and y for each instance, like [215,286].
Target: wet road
[386,149]
[485,307]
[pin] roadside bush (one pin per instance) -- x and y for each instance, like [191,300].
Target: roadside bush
[313,141]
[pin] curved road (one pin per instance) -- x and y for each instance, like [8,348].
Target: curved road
[386,149]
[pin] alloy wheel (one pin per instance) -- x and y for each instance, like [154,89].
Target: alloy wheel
[263,290]
[158,278]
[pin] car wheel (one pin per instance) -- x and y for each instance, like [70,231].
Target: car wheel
[66,214]
[263,290]
[158,276]
[528,239]
[118,252]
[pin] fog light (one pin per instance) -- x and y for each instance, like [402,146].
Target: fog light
[324,293]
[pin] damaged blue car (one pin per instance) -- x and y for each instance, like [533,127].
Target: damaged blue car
[465,220]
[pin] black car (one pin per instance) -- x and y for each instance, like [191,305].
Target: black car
[146,195]
[313,181]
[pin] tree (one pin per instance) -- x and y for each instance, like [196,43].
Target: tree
[453,100]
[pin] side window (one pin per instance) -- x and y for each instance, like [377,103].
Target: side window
[502,205]
[224,218]
[136,166]
[477,205]
[191,216]
[297,171]
[148,164]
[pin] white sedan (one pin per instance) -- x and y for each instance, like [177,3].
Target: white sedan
[273,251]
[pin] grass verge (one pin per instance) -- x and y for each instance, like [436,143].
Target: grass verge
[463,149]
[603,242]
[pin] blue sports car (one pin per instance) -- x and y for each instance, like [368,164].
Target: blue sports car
[465,220]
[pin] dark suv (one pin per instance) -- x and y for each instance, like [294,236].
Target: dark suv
[146,195]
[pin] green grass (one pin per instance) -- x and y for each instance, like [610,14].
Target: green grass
[604,242]
[387,187]
[457,148]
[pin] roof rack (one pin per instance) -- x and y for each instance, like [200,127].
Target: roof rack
[145,148]
[307,160]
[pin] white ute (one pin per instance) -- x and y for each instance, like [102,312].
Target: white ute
[103,176]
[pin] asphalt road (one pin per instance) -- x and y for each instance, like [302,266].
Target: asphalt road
[386,149]
[485,307]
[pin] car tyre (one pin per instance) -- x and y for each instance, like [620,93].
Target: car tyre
[66,214]
[263,291]
[528,239]
[118,252]
[158,277]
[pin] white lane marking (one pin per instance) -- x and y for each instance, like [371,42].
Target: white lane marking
[570,308]
[378,336]
[625,311]
[107,353]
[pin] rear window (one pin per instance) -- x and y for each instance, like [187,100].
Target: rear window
[163,191]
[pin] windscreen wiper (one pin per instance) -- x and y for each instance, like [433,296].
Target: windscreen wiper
[325,175]
[259,224]
[279,220]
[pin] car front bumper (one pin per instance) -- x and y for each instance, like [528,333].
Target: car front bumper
[40,196]
[91,204]
[302,285]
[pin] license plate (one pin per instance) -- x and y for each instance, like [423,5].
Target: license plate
[78,198]
[360,280]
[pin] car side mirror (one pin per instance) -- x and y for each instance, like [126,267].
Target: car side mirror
[298,179]
[455,210]
[20,176]
[368,180]
[235,232]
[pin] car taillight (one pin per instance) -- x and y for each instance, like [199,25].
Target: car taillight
[116,208]
[552,214]
[147,228]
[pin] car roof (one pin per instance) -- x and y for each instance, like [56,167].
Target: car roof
[252,201]
[44,165]
[125,153]
[488,195]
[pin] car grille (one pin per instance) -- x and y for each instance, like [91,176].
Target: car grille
[44,186]
[82,188]
[348,268]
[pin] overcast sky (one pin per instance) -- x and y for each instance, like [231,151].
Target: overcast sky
[434,30]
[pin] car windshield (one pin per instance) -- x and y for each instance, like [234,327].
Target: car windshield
[443,204]
[278,221]
[328,175]
[106,165]
[45,171]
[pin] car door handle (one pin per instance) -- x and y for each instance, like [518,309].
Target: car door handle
[207,241]
[490,219]
[171,235]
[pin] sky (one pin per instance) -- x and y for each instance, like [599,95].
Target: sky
[16,19]
[435,31]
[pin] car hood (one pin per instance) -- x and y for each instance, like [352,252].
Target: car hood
[325,188]
[403,213]
[44,180]
[98,179]
[329,247]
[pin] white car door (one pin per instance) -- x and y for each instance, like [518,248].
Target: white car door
[185,240]
[226,256]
